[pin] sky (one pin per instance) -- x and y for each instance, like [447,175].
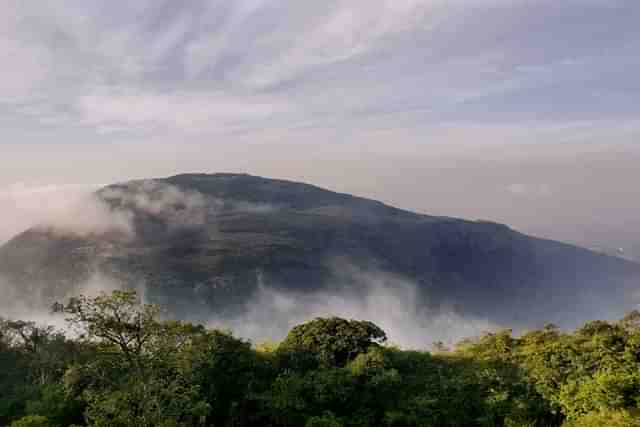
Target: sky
[518,111]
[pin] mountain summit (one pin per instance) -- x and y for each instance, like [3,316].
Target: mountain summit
[200,243]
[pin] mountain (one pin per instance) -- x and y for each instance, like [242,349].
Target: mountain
[200,243]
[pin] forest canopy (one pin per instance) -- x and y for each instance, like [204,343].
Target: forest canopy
[124,365]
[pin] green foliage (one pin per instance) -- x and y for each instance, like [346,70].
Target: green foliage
[327,420]
[228,373]
[129,367]
[54,403]
[33,360]
[333,341]
[31,421]
[156,401]
[137,377]
[606,418]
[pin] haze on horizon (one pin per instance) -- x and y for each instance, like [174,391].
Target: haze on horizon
[509,110]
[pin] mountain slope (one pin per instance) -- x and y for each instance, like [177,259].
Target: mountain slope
[205,243]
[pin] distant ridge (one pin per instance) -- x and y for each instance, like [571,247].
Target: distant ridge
[207,242]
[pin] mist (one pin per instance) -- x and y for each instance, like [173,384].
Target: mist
[36,307]
[25,205]
[389,301]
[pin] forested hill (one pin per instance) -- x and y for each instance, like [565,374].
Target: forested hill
[201,243]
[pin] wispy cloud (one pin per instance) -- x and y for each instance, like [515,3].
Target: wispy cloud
[131,109]
[191,64]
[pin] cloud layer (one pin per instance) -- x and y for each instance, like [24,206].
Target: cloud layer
[211,66]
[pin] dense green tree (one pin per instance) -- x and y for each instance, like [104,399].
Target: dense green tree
[56,405]
[136,379]
[333,341]
[229,375]
[126,366]
[33,360]
[606,418]
[14,389]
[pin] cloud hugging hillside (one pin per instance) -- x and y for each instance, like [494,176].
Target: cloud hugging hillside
[236,247]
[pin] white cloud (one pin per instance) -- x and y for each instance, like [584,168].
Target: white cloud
[93,63]
[74,209]
[63,208]
[177,207]
[202,52]
[89,216]
[349,29]
[529,190]
[129,108]
[25,67]
[390,301]
[25,205]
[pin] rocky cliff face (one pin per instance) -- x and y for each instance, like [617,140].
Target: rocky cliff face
[205,243]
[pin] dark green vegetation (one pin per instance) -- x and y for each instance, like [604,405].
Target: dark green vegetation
[127,367]
[204,243]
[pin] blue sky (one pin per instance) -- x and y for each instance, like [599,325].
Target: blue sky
[485,108]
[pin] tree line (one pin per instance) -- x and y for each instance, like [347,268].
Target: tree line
[121,364]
